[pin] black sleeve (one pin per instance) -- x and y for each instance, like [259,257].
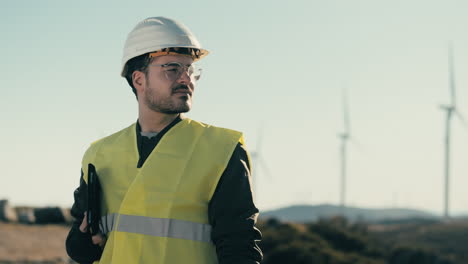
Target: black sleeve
[79,245]
[232,214]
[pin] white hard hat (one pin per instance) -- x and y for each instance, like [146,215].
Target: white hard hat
[156,33]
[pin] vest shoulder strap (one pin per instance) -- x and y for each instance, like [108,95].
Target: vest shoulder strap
[95,146]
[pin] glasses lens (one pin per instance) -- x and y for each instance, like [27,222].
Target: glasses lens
[195,72]
[174,70]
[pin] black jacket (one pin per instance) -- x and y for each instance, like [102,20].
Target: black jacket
[231,211]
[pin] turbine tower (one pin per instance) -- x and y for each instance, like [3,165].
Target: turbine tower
[450,110]
[344,137]
[257,162]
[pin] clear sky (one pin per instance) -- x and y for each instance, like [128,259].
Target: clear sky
[275,66]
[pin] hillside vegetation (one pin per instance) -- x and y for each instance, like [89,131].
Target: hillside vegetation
[335,241]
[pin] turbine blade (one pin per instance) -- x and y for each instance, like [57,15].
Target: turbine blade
[266,170]
[357,145]
[347,128]
[462,119]
[253,155]
[451,76]
[259,140]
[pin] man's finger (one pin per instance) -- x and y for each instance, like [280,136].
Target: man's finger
[99,239]
[84,224]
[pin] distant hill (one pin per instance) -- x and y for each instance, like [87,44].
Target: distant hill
[307,213]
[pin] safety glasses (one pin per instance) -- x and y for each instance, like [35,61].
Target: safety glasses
[173,70]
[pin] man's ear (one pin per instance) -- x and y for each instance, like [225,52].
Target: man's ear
[139,81]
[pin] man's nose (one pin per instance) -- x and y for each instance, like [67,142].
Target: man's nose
[184,77]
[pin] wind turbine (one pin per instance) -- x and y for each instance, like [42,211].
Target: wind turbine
[450,110]
[257,162]
[344,137]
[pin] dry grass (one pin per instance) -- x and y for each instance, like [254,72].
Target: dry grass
[33,243]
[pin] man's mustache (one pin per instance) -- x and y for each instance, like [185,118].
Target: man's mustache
[181,87]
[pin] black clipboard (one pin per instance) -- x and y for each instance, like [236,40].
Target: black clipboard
[94,201]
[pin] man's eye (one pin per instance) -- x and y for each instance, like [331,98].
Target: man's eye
[172,67]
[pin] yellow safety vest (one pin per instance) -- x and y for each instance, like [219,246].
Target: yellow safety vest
[159,213]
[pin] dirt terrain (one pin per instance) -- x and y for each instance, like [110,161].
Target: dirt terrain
[33,244]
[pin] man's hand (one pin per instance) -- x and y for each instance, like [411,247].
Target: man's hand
[97,239]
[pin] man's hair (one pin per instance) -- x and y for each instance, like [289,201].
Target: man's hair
[139,63]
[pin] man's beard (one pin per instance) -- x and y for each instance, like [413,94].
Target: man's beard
[170,104]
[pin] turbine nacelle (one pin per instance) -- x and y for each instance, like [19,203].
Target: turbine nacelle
[451,108]
[344,136]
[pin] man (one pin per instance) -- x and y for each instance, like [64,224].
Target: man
[174,190]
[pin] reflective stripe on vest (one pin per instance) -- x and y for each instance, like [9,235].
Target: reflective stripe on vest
[161,227]
[107,223]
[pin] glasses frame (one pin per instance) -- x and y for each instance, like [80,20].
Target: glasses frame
[187,69]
